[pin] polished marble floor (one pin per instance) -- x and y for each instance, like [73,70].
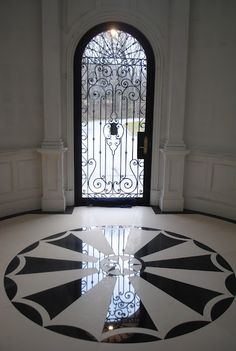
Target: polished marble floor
[117,278]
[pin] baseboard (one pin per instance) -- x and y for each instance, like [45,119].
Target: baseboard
[19,206]
[211,207]
[157,210]
[69,210]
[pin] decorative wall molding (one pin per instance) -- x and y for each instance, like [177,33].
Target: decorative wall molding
[171,198]
[52,147]
[74,32]
[69,195]
[178,59]
[20,185]
[53,198]
[210,184]
[174,150]
[154,197]
[51,72]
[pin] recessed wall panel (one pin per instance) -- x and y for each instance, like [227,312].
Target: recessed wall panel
[5,177]
[29,174]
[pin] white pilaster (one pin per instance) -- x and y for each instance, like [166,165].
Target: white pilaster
[52,149]
[174,150]
[53,198]
[171,198]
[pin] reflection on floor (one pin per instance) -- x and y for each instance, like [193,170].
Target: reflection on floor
[118,276]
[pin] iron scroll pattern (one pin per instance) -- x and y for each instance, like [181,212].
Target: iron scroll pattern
[120,284]
[114,80]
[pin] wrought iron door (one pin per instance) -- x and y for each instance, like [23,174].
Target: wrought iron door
[114,141]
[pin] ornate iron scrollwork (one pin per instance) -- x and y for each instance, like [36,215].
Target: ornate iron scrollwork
[113,112]
[113,132]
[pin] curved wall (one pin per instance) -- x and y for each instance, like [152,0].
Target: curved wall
[21,103]
[207,108]
[210,119]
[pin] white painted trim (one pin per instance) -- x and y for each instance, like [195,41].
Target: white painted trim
[171,198]
[71,40]
[53,198]
[155,197]
[51,74]
[229,157]
[210,183]
[52,147]
[210,207]
[171,204]
[174,150]
[20,191]
[22,205]
[69,194]
[178,59]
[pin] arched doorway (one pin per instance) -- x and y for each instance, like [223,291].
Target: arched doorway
[113,106]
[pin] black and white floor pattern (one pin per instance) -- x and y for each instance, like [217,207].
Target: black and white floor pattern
[120,284]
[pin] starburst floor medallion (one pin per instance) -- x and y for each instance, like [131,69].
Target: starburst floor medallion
[120,284]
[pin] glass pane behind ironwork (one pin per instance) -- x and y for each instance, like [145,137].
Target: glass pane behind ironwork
[114,79]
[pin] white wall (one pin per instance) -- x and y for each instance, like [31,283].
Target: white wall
[210,123]
[210,109]
[20,185]
[21,123]
[210,120]
[210,184]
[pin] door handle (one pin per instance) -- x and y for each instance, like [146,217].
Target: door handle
[145,145]
[142,145]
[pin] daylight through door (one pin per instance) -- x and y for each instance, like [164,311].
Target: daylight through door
[113,116]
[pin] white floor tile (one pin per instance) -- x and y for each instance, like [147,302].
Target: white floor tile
[88,312]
